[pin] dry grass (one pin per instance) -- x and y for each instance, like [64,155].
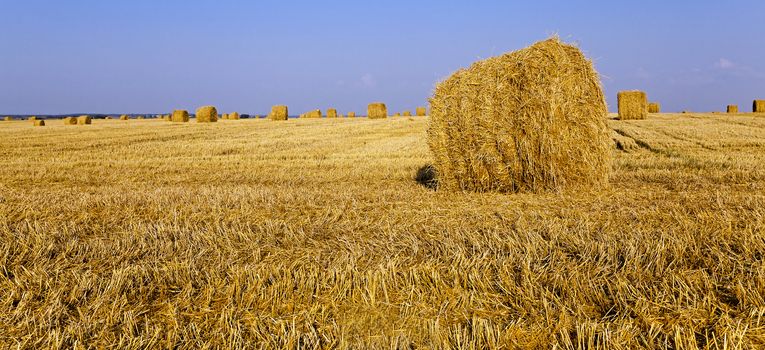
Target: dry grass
[314,234]
[632,105]
[377,110]
[528,121]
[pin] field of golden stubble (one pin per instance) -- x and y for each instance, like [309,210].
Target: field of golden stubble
[315,234]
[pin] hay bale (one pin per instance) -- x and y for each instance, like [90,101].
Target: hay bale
[632,105]
[70,121]
[351,115]
[278,112]
[37,122]
[331,113]
[139,117]
[316,113]
[407,113]
[124,117]
[654,107]
[420,111]
[532,120]
[377,110]
[84,120]
[234,116]
[8,118]
[180,116]
[33,118]
[732,109]
[758,106]
[207,114]
[224,116]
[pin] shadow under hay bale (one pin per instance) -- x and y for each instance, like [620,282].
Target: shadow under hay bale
[533,120]
[426,176]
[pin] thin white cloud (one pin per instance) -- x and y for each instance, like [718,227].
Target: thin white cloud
[724,63]
[368,80]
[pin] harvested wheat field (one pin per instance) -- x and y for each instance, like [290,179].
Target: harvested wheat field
[329,234]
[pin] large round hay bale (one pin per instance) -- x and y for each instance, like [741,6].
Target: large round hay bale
[758,106]
[180,116]
[527,121]
[124,117]
[331,113]
[351,114]
[70,121]
[654,107]
[38,122]
[407,113]
[420,111]
[732,109]
[278,112]
[632,105]
[207,114]
[8,118]
[84,120]
[234,116]
[377,110]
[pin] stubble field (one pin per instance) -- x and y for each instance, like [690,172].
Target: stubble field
[318,234]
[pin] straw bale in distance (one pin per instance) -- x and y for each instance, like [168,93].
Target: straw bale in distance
[124,117]
[407,113]
[32,118]
[84,120]
[8,118]
[758,106]
[654,107]
[377,110]
[70,121]
[180,116]
[278,112]
[316,113]
[351,115]
[532,120]
[234,116]
[207,114]
[332,113]
[420,111]
[38,122]
[139,117]
[732,109]
[632,105]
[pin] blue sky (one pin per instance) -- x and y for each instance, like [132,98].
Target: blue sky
[143,56]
